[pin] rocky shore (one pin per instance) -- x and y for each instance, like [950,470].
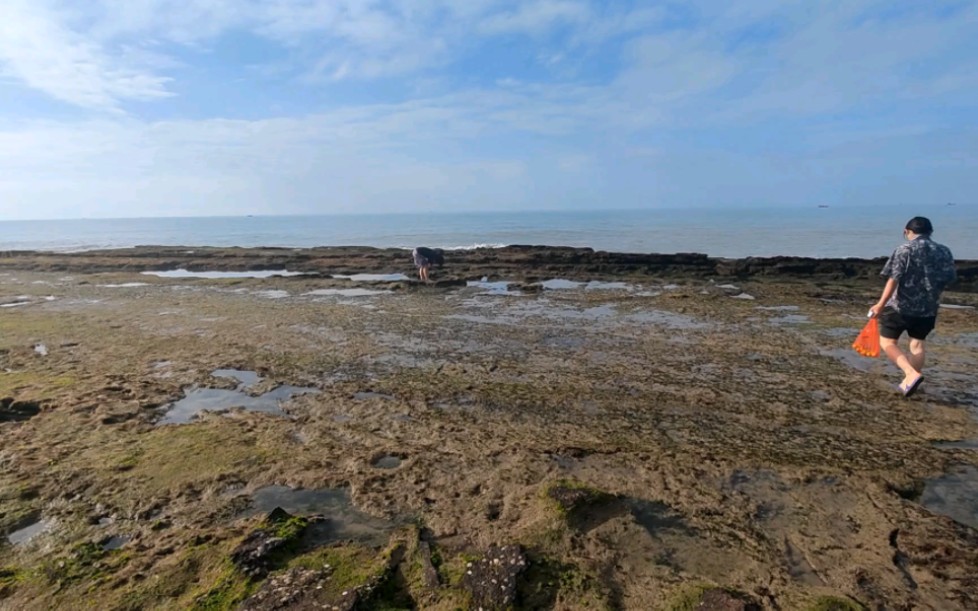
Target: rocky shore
[512,262]
[539,428]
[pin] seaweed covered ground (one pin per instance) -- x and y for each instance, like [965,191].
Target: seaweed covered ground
[568,431]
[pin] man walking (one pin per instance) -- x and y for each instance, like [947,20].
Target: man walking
[917,273]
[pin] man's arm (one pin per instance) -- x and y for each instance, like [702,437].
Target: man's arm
[888,290]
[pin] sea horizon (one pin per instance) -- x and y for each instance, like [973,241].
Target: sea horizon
[822,231]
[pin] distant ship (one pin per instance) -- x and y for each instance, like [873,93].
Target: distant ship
[950,203]
[823,205]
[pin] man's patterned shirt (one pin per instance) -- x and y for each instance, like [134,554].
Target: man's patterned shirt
[922,269]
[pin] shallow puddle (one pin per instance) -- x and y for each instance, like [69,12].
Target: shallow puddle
[18,411]
[373,277]
[273,294]
[967,339]
[841,332]
[500,287]
[388,461]
[344,521]
[244,378]
[354,292]
[124,285]
[663,318]
[966,444]
[24,535]
[781,308]
[560,284]
[219,399]
[852,359]
[954,495]
[597,285]
[115,542]
[182,273]
[790,319]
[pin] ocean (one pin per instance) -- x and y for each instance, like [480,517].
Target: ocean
[863,232]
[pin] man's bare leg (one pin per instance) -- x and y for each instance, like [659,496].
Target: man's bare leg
[916,357]
[897,356]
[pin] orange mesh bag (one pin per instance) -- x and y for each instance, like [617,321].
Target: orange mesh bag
[868,341]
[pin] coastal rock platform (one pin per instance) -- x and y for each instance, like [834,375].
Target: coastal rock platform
[538,428]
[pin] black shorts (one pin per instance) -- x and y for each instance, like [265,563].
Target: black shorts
[893,324]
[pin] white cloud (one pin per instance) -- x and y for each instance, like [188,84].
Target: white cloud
[367,158]
[659,75]
[536,17]
[37,48]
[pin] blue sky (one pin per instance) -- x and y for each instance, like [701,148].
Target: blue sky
[214,107]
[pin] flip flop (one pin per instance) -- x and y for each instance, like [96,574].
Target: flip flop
[909,390]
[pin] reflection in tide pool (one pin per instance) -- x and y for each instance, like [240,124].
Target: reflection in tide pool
[218,399]
[954,494]
[354,292]
[344,521]
[182,273]
[500,287]
[373,277]
[24,535]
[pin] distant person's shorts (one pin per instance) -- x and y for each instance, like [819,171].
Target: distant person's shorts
[893,324]
[420,260]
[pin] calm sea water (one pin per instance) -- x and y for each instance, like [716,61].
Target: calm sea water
[816,232]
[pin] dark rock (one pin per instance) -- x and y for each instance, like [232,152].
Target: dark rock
[492,580]
[16,411]
[303,589]
[254,555]
[572,497]
[717,599]
[299,589]
[428,571]
[517,263]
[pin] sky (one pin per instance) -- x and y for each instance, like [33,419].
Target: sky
[112,108]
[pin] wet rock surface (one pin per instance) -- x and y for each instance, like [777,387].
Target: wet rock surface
[518,262]
[634,436]
[492,580]
[720,600]
[300,589]
[254,555]
[14,411]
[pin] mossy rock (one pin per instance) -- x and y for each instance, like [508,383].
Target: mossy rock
[703,597]
[835,603]
[86,561]
[549,582]
[268,545]
[9,579]
[571,496]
